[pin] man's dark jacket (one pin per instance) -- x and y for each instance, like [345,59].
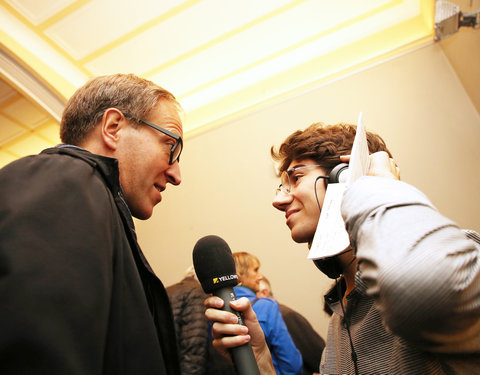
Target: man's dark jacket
[77,294]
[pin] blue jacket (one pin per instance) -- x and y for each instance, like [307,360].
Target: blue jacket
[286,357]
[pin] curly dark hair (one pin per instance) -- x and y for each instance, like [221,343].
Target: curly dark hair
[324,144]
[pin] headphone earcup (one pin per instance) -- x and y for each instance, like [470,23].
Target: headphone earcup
[336,173]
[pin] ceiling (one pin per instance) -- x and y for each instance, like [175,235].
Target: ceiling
[221,58]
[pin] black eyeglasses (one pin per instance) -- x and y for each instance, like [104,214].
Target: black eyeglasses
[176,148]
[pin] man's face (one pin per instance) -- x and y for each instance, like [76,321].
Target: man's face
[252,278]
[143,160]
[300,205]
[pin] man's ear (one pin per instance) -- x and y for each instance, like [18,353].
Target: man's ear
[112,122]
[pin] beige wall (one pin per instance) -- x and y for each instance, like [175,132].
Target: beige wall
[414,101]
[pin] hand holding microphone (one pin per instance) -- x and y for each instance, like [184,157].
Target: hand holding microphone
[215,269]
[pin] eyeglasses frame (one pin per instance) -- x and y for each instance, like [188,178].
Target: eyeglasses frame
[178,139]
[287,190]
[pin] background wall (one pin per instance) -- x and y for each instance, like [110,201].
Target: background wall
[416,103]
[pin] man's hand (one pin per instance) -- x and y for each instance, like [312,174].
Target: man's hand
[227,333]
[381,165]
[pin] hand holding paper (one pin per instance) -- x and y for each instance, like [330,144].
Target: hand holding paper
[331,238]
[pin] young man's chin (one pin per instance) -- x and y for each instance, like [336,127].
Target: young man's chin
[302,238]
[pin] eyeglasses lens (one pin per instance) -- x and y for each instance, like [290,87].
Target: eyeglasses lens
[285,181]
[176,150]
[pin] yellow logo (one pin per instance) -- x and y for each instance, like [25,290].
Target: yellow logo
[215,280]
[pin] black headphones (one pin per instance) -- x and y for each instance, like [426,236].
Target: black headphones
[337,175]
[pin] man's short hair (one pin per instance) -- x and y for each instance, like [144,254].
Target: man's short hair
[129,93]
[324,144]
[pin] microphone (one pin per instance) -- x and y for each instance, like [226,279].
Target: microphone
[215,269]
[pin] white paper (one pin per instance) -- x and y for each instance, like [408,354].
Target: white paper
[331,238]
[358,165]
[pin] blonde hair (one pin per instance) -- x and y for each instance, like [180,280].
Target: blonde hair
[243,262]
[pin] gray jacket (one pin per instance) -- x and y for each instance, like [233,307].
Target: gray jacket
[416,305]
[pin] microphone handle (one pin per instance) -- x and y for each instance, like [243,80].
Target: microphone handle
[243,357]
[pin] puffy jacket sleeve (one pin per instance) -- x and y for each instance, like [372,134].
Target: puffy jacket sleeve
[422,270]
[191,326]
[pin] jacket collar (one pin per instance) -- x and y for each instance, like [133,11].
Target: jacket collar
[332,298]
[108,167]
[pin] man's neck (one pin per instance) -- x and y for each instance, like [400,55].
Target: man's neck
[349,262]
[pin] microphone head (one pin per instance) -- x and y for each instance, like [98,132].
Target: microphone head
[214,264]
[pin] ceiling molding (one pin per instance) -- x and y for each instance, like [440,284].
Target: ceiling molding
[220,59]
[30,86]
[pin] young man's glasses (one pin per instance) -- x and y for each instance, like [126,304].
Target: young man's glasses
[290,177]
[175,149]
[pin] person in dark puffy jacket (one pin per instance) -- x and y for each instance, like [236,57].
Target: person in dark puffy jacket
[196,352]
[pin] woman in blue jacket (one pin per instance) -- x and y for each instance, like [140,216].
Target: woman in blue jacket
[286,357]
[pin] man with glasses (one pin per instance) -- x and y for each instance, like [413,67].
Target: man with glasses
[78,295]
[407,296]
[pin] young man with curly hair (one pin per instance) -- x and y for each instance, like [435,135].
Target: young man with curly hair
[407,296]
